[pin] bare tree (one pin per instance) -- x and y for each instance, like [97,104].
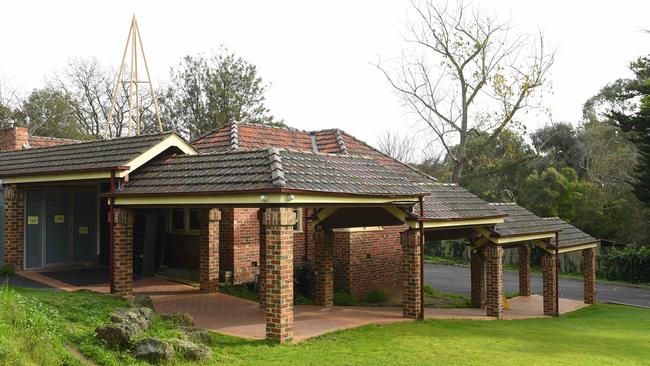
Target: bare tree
[400,147]
[467,74]
[89,87]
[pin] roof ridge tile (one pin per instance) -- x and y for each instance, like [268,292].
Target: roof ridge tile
[277,172]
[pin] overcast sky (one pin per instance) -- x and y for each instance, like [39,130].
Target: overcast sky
[317,55]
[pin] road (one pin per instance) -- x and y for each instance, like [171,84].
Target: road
[456,280]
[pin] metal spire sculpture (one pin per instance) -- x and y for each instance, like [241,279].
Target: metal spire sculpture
[134,40]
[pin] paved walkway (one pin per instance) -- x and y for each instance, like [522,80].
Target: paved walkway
[456,280]
[243,318]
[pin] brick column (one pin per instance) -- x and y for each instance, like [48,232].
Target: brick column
[494,281]
[589,272]
[122,251]
[478,279]
[410,240]
[209,250]
[262,262]
[549,279]
[524,270]
[14,226]
[279,274]
[324,263]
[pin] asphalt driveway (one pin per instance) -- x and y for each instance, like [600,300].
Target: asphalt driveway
[456,280]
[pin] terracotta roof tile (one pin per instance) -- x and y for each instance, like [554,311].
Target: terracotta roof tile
[44,141]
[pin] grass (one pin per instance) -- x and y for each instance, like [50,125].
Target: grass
[36,326]
[432,259]
[439,299]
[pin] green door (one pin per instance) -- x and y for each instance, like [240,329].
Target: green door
[85,226]
[57,228]
[34,229]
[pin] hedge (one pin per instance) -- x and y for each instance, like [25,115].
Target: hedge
[631,264]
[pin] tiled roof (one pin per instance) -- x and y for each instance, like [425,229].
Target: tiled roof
[268,170]
[82,156]
[452,202]
[247,136]
[523,222]
[35,142]
[570,235]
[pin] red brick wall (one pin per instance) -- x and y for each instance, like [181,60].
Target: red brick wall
[246,248]
[14,226]
[226,239]
[122,252]
[13,138]
[182,251]
[368,260]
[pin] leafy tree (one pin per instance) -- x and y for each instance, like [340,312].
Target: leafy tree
[558,146]
[469,72]
[48,112]
[496,170]
[633,115]
[208,92]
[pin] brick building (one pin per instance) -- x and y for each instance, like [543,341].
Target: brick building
[249,200]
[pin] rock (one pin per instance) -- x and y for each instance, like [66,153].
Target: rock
[198,335]
[193,351]
[179,319]
[142,300]
[139,316]
[153,350]
[116,336]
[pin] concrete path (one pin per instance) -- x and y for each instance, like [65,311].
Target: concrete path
[456,280]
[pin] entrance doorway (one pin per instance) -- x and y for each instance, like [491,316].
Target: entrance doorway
[61,226]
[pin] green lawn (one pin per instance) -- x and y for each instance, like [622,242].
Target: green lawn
[37,326]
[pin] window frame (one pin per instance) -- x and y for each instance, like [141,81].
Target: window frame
[187,229]
[298,226]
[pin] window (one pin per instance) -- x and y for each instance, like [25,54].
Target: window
[177,220]
[297,216]
[184,221]
[194,219]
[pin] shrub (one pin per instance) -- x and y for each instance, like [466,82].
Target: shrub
[345,299]
[631,264]
[5,270]
[376,296]
[304,280]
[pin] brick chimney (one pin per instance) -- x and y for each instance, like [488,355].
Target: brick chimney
[14,138]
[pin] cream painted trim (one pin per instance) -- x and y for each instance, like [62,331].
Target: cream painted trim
[323,214]
[441,224]
[458,223]
[58,177]
[171,140]
[578,247]
[513,239]
[358,229]
[480,242]
[254,199]
[575,248]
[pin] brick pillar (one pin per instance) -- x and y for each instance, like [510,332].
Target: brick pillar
[14,226]
[122,251]
[589,272]
[494,281]
[549,279]
[324,263]
[262,263]
[209,250]
[524,270]
[478,279]
[410,240]
[279,274]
